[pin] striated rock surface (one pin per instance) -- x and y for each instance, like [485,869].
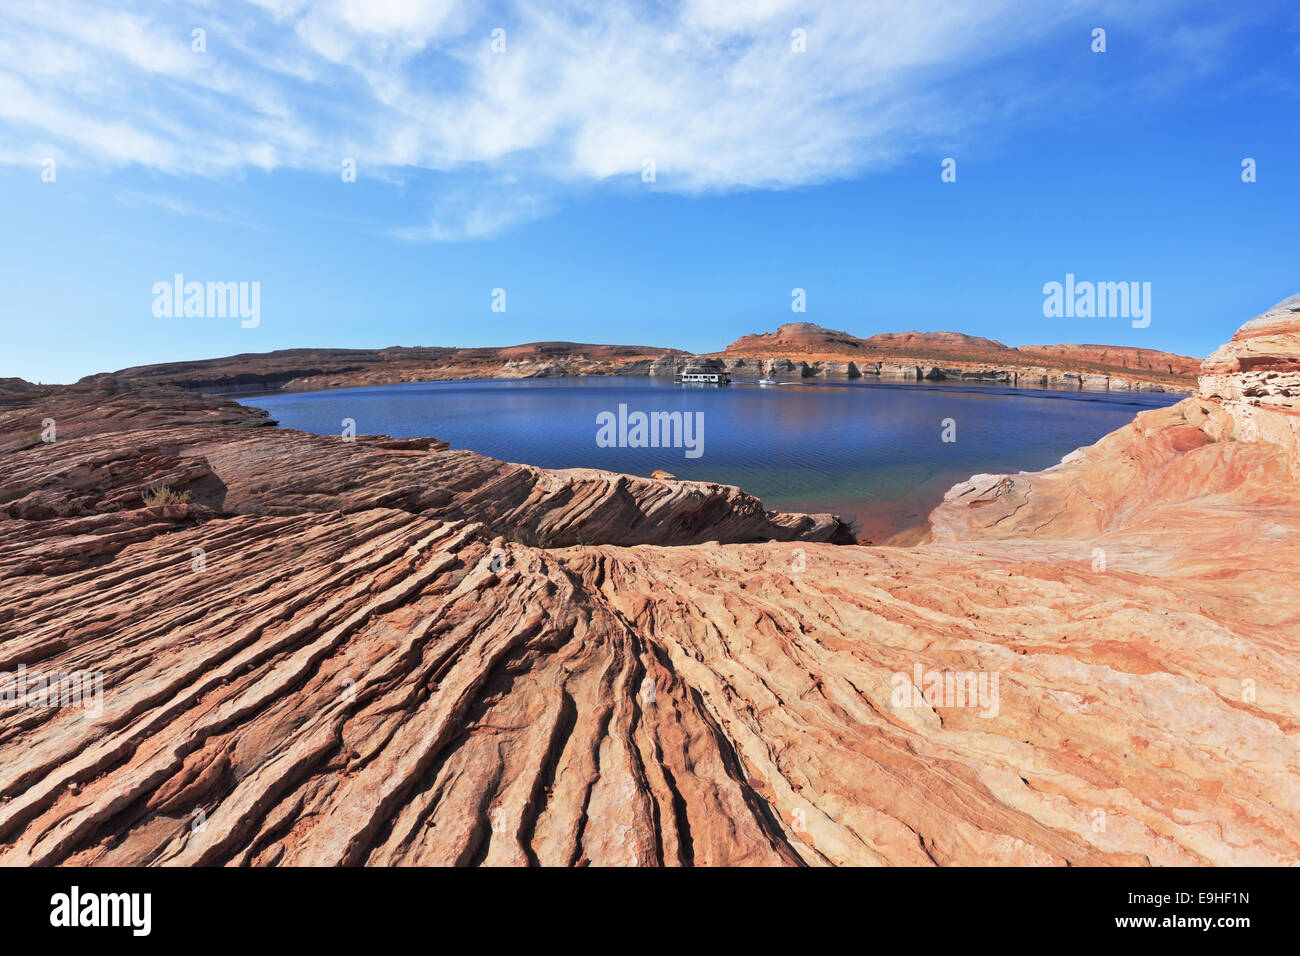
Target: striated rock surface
[322,673]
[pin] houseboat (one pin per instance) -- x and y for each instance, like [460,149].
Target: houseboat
[702,375]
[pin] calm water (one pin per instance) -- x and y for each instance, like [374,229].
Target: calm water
[870,452]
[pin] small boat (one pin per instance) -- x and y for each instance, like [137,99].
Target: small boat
[766,381]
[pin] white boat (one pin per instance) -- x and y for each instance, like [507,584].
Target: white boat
[703,375]
[766,381]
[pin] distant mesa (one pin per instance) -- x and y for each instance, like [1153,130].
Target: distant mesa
[15,385]
[932,340]
[798,335]
[955,355]
[806,336]
[799,349]
[310,369]
[1119,356]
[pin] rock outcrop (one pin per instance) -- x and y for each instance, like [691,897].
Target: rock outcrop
[316,661]
[1256,378]
[1135,360]
[799,349]
[810,350]
[1236,441]
[311,369]
[114,444]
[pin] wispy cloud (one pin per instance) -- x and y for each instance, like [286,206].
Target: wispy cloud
[182,208]
[462,215]
[717,92]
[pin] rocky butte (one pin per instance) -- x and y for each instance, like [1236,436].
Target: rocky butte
[391,653]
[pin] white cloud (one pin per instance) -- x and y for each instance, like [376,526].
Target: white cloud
[710,89]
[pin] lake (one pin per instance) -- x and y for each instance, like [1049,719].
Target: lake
[871,452]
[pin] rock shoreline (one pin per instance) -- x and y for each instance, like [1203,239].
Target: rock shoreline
[799,351]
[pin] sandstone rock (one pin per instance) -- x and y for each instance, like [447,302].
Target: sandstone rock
[965,357]
[1256,377]
[835,370]
[905,373]
[1118,357]
[367,670]
[665,366]
[308,369]
[796,348]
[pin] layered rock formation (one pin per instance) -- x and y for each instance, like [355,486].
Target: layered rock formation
[317,661]
[798,337]
[798,349]
[1135,360]
[807,350]
[311,369]
[1256,378]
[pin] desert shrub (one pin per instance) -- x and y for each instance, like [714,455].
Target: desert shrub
[165,495]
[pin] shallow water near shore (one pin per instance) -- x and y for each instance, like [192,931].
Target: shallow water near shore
[870,452]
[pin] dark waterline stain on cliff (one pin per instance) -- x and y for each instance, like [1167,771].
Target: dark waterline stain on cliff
[867,451]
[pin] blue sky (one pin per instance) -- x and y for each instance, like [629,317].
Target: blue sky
[522,170]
